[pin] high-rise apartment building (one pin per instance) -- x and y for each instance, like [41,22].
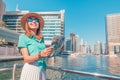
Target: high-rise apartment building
[2,9]
[84,47]
[113,32]
[68,46]
[73,43]
[77,38]
[97,48]
[54,23]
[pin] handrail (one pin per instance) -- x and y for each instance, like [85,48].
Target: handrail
[86,73]
[98,75]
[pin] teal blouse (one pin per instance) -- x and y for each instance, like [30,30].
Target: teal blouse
[34,46]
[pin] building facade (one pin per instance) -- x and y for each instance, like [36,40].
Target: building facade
[77,38]
[97,48]
[2,9]
[73,42]
[112,32]
[54,23]
[68,46]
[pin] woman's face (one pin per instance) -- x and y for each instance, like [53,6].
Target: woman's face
[33,23]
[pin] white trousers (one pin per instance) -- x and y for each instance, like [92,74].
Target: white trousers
[32,72]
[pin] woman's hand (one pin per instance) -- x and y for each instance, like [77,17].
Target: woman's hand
[46,52]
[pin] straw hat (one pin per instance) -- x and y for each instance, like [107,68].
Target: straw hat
[24,19]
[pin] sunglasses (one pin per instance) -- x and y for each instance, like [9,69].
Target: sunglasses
[31,19]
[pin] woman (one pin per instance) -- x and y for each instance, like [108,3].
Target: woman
[31,46]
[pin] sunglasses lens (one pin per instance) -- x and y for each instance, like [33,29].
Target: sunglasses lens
[36,20]
[31,19]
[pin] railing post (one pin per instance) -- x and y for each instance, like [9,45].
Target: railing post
[13,73]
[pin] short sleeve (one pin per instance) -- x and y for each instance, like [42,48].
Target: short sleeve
[22,42]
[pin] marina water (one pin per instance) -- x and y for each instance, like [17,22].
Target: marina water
[102,64]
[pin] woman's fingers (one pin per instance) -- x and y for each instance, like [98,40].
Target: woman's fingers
[47,52]
[50,49]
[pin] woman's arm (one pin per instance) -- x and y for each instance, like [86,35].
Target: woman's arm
[28,58]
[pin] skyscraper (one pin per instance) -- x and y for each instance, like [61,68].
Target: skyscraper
[77,38]
[68,45]
[73,42]
[112,32]
[97,48]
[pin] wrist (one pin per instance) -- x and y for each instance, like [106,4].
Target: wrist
[39,55]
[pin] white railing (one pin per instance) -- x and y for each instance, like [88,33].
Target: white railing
[97,75]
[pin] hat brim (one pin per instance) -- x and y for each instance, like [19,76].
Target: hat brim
[24,19]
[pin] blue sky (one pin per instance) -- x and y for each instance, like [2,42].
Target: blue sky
[85,18]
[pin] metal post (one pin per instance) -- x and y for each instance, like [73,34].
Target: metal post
[13,73]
